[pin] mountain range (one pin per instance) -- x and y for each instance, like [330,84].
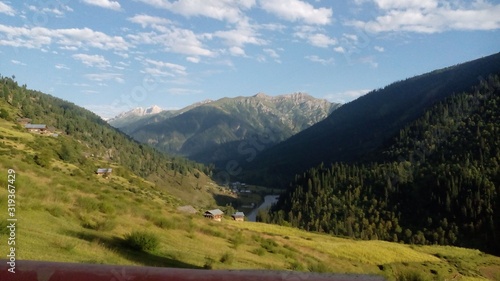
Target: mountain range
[358,131]
[220,131]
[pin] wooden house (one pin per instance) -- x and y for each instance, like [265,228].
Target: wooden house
[104,171]
[215,214]
[238,216]
[36,128]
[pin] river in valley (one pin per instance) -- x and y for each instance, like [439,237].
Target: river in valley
[268,201]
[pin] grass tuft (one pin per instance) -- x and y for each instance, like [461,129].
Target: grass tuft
[142,241]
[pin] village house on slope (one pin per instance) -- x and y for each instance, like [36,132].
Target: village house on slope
[36,128]
[215,214]
[238,216]
[104,171]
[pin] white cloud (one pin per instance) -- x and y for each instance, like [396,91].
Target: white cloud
[321,40]
[61,66]
[315,36]
[237,51]
[92,60]
[101,77]
[272,53]
[56,11]
[346,96]
[339,49]
[6,9]
[113,5]
[379,49]
[146,20]
[350,37]
[243,34]
[227,10]
[73,38]
[296,10]
[17,62]
[370,60]
[173,39]
[317,59]
[193,59]
[398,4]
[158,68]
[431,16]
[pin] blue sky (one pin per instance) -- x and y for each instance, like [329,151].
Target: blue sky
[110,56]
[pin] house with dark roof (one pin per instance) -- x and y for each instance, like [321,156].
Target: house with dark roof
[215,214]
[36,128]
[104,171]
[238,216]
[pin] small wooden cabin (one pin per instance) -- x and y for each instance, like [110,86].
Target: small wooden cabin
[36,128]
[215,214]
[104,171]
[238,216]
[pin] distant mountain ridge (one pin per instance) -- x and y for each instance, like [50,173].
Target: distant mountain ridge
[358,130]
[215,131]
[133,115]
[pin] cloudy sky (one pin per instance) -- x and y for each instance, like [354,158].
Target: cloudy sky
[110,55]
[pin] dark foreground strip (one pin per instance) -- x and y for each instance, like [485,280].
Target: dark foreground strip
[56,271]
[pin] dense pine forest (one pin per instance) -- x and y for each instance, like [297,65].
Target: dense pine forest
[97,141]
[437,182]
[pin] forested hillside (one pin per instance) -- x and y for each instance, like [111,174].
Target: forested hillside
[224,130]
[438,181]
[89,142]
[357,130]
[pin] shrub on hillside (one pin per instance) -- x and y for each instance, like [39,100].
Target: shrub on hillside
[209,263]
[227,258]
[165,223]
[410,276]
[142,241]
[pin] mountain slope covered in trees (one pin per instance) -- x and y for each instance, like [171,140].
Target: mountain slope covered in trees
[89,142]
[357,130]
[217,131]
[438,182]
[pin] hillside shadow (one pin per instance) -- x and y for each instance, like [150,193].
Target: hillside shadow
[118,245]
[223,200]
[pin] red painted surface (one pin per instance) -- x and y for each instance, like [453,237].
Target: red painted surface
[54,271]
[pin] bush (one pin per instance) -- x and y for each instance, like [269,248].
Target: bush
[209,263]
[269,245]
[99,225]
[106,208]
[296,266]
[227,258]
[142,241]
[88,204]
[237,239]
[318,267]
[410,276]
[165,223]
[3,228]
[56,211]
[259,252]
[212,232]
